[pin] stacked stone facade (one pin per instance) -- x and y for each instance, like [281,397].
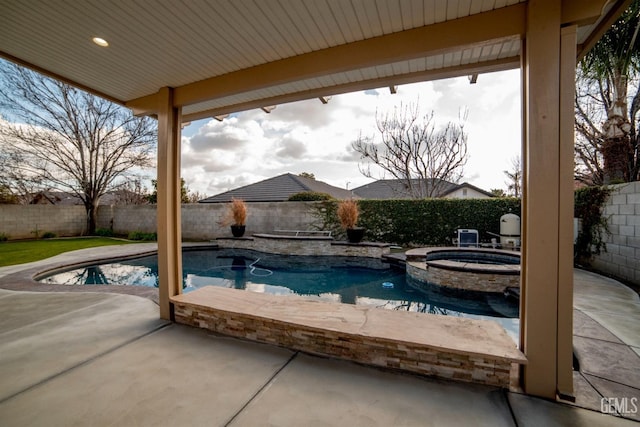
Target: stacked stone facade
[304,245]
[296,333]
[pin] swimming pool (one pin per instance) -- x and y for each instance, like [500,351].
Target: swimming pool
[351,280]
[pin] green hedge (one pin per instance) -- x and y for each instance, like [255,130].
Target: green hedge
[139,235]
[422,222]
[309,196]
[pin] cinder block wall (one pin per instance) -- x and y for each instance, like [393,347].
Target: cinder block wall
[125,218]
[22,221]
[202,221]
[622,257]
[199,221]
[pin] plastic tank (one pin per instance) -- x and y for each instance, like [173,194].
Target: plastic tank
[510,230]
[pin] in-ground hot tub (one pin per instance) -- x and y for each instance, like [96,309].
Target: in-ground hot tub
[473,269]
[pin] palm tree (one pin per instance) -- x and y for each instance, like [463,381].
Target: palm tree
[612,64]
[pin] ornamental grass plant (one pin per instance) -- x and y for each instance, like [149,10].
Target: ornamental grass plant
[236,214]
[348,213]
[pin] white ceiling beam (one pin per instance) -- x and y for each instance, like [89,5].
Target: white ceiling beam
[458,71]
[474,30]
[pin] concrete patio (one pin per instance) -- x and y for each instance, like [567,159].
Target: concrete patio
[79,358]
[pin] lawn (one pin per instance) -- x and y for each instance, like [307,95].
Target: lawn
[33,250]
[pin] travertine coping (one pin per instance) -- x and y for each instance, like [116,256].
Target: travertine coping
[448,347]
[473,267]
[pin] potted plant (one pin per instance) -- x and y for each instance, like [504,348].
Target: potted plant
[348,215]
[236,217]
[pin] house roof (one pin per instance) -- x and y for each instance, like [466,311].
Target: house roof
[227,56]
[467,185]
[278,189]
[397,189]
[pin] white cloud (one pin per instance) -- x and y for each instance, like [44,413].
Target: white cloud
[309,136]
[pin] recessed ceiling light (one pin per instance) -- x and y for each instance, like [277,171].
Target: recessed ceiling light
[100,41]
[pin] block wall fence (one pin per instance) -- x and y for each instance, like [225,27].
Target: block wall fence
[31,221]
[199,221]
[622,257]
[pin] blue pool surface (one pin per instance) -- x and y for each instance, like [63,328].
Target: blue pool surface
[360,281]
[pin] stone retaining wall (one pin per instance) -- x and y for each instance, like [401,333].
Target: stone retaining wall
[304,245]
[214,309]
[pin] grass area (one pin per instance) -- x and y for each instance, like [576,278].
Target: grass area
[33,250]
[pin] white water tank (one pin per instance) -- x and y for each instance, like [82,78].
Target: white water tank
[510,230]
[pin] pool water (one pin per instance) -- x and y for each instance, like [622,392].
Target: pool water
[360,281]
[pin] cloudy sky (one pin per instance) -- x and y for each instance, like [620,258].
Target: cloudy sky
[312,137]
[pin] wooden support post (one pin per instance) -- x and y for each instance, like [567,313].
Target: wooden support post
[169,198]
[547,271]
[568,52]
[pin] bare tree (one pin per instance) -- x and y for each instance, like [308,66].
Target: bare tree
[132,192]
[17,182]
[412,151]
[58,137]
[514,175]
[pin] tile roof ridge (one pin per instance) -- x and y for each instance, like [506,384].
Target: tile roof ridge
[300,180]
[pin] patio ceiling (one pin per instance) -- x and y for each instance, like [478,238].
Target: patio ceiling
[227,56]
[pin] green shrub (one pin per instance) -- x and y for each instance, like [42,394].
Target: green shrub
[104,232]
[309,196]
[48,235]
[4,237]
[421,221]
[139,235]
[588,206]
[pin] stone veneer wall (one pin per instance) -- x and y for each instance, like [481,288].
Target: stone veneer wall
[481,282]
[622,257]
[304,245]
[370,350]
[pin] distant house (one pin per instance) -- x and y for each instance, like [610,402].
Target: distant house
[397,189]
[278,189]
